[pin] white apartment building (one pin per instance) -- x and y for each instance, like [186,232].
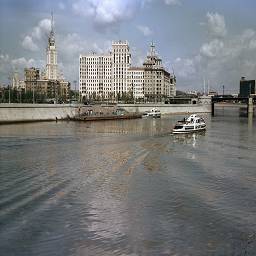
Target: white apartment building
[136,82]
[121,63]
[111,75]
[105,75]
[95,76]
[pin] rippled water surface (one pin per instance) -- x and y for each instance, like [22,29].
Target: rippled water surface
[128,188]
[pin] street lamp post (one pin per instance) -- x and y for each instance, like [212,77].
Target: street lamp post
[75,89]
[9,87]
[33,93]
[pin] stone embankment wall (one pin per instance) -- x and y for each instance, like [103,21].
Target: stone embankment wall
[11,113]
[36,112]
[168,108]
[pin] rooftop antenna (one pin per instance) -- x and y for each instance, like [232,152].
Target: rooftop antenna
[51,21]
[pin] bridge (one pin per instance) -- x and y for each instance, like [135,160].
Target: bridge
[246,100]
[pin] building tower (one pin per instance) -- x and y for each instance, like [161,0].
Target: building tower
[51,52]
[121,63]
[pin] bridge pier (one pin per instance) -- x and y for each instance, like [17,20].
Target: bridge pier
[250,105]
[212,108]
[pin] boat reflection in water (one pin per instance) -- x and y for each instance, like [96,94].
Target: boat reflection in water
[188,138]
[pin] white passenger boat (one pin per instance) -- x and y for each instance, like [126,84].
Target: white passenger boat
[193,123]
[154,112]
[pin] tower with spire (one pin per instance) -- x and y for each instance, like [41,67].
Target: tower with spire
[152,59]
[51,53]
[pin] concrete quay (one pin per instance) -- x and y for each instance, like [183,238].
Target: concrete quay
[15,112]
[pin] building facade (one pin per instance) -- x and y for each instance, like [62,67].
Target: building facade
[95,76]
[31,76]
[247,87]
[136,82]
[18,84]
[158,82]
[112,76]
[121,63]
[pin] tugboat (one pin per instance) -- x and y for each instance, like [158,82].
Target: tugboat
[193,123]
[154,112]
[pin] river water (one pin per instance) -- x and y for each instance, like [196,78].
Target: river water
[128,188]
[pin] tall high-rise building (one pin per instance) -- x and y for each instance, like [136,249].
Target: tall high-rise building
[247,87]
[51,53]
[48,82]
[95,76]
[121,63]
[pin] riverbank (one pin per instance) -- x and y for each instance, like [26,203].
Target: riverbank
[15,113]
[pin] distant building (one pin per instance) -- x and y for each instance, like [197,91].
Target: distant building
[48,83]
[111,75]
[247,87]
[31,75]
[135,82]
[51,53]
[212,93]
[95,76]
[17,84]
[121,63]
[159,83]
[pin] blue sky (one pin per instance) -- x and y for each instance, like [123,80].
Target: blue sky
[201,40]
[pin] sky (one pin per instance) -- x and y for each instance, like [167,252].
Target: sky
[200,40]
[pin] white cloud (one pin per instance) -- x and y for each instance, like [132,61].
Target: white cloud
[9,65]
[146,31]
[222,61]
[172,2]
[216,24]
[29,44]
[184,68]
[4,65]
[23,62]
[43,28]
[38,33]
[107,13]
[212,49]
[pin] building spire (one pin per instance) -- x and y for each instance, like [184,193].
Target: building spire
[52,25]
[51,21]
[152,49]
[51,37]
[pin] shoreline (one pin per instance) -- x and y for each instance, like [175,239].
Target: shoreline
[27,113]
